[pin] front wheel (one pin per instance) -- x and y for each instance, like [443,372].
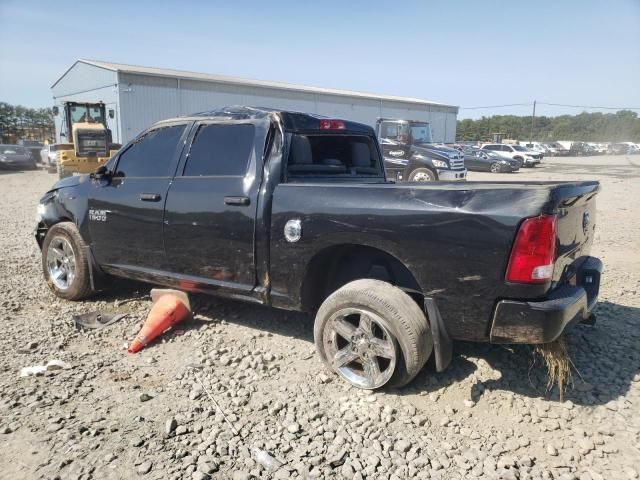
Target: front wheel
[372,334]
[422,175]
[495,167]
[64,262]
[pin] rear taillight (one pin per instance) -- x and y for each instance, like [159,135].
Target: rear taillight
[332,125]
[533,251]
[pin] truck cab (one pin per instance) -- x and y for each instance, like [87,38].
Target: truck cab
[411,155]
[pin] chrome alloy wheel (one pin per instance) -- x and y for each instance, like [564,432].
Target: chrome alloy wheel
[422,177]
[61,263]
[360,348]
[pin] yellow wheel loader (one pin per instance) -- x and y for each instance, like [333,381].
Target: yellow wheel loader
[85,126]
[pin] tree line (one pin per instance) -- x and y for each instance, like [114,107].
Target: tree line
[622,126]
[18,122]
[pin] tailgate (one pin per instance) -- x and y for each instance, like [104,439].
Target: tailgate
[576,211]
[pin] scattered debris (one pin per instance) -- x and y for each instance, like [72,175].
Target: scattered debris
[558,363]
[36,370]
[96,320]
[265,459]
[57,365]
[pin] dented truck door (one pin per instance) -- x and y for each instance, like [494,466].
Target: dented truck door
[126,208]
[210,213]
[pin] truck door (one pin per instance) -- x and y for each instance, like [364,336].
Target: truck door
[211,206]
[394,140]
[125,212]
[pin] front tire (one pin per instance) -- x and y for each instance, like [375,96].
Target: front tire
[422,175]
[65,264]
[372,334]
[495,167]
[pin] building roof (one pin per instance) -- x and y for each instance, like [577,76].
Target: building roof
[206,77]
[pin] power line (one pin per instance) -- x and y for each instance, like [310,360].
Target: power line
[549,104]
[588,106]
[498,106]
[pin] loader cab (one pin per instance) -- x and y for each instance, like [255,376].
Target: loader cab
[86,129]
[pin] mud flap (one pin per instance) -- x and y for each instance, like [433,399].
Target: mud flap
[442,344]
[99,280]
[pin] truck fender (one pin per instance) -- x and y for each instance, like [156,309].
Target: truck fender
[442,344]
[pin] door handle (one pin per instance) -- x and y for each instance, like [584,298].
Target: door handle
[150,197]
[242,201]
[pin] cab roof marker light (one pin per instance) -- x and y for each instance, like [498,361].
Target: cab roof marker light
[326,124]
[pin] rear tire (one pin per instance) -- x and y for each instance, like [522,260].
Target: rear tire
[65,264]
[422,175]
[392,334]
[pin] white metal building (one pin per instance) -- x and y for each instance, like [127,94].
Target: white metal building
[136,97]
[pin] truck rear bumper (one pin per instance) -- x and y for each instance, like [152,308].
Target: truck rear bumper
[544,321]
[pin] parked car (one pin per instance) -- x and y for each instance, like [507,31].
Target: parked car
[624,148]
[48,155]
[515,152]
[410,154]
[33,147]
[576,149]
[15,156]
[536,147]
[295,211]
[489,161]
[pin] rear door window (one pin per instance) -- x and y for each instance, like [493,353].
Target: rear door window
[344,155]
[220,150]
[152,154]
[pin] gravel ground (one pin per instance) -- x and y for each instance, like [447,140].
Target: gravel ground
[114,415]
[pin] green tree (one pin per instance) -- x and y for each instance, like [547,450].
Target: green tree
[621,126]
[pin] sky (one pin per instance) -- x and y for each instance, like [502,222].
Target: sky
[466,53]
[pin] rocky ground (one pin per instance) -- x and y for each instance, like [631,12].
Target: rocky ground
[153,415]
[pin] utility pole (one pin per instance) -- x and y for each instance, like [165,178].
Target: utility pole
[533,122]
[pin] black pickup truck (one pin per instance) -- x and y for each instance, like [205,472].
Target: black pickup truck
[294,211]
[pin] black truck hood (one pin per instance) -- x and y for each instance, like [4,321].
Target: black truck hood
[72,181]
[437,149]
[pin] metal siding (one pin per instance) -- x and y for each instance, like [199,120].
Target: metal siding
[144,101]
[452,123]
[81,78]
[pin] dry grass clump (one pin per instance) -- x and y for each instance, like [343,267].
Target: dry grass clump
[558,363]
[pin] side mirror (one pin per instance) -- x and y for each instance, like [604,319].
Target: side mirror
[101,173]
[112,113]
[55,110]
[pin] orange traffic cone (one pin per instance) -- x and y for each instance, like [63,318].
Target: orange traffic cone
[168,309]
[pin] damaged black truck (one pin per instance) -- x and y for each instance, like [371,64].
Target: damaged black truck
[295,211]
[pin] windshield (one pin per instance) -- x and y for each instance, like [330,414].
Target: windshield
[519,148]
[11,149]
[86,113]
[421,133]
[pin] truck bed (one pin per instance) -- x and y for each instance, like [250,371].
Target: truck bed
[455,238]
